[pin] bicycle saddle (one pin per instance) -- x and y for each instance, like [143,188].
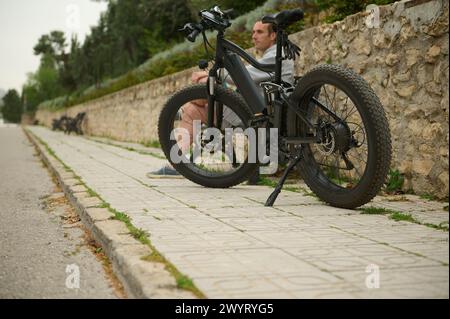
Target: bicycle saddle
[284,18]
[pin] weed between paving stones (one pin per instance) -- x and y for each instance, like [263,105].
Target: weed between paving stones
[399,216]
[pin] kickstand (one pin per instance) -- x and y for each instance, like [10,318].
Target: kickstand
[273,197]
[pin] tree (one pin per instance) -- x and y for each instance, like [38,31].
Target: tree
[12,108]
[42,85]
[52,44]
[31,95]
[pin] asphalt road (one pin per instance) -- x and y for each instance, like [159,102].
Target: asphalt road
[43,249]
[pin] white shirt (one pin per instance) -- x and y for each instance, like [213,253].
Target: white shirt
[287,75]
[287,68]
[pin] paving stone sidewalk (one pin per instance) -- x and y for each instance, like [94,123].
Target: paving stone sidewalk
[234,247]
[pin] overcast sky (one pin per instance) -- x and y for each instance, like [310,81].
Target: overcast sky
[22,22]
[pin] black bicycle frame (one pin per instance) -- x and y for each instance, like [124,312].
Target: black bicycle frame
[227,56]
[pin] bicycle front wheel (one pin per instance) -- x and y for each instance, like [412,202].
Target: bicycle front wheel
[221,164]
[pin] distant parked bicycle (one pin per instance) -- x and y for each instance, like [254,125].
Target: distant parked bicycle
[59,124]
[74,124]
[67,124]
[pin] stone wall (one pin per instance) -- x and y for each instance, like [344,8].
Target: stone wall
[405,60]
[403,56]
[127,115]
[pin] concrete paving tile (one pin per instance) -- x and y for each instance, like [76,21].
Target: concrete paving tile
[234,247]
[205,241]
[240,262]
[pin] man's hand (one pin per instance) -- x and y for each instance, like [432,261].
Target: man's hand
[199,77]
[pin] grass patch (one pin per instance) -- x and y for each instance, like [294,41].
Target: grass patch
[375,211]
[309,193]
[297,189]
[151,154]
[441,226]
[138,233]
[264,181]
[183,281]
[338,179]
[153,143]
[428,197]
[141,151]
[91,192]
[398,216]
[394,182]
[51,152]
[292,189]
[154,257]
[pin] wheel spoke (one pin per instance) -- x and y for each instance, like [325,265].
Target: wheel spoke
[341,167]
[328,98]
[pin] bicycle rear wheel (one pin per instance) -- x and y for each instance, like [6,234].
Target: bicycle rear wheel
[350,164]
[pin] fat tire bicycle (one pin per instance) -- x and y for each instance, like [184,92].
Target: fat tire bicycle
[331,125]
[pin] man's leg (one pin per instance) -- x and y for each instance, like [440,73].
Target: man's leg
[195,110]
[198,110]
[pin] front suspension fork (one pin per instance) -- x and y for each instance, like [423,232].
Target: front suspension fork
[215,113]
[211,87]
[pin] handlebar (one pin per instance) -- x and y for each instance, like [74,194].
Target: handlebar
[193,30]
[193,35]
[215,19]
[212,19]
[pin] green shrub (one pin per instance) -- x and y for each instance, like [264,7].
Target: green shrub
[339,9]
[395,182]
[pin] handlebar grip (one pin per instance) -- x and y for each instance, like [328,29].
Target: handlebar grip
[193,35]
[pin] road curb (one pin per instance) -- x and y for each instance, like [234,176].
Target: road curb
[141,279]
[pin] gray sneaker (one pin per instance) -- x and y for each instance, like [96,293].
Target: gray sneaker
[165,171]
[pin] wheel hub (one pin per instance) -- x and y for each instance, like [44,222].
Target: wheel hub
[336,137]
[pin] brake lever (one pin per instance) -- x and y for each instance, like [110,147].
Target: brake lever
[187,28]
[229,13]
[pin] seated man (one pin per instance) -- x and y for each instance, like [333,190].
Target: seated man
[264,40]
